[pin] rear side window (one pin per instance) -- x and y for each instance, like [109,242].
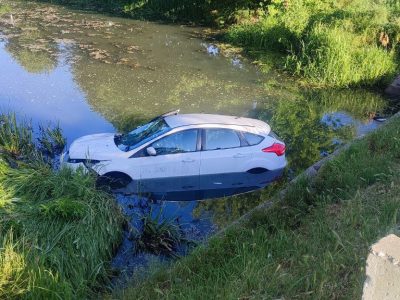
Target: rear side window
[252,139]
[220,138]
[180,142]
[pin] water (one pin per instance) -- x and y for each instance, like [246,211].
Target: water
[93,73]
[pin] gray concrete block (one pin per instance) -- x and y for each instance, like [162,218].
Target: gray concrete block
[383,270]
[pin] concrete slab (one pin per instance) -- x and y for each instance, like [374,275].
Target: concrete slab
[383,270]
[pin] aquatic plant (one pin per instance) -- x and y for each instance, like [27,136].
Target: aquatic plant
[15,138]
[159,235]
[51,139]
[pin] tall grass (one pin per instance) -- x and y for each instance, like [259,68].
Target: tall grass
[15,138]
[334,43]
[22,277]
[51,139]
[58,232]
[332,56]
[74,227]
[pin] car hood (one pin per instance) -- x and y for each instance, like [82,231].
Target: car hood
[96,146]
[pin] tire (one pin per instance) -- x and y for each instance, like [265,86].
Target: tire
[113,180]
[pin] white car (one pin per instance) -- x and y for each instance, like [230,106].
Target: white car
[185,156]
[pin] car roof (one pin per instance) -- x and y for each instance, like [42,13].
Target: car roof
[201,119]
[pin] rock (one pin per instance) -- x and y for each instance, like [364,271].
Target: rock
[393,89]
[383,270]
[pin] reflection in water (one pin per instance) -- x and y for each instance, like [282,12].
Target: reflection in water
[196,228]
[31,51]
[94,73]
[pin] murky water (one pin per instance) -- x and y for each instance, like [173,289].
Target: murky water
[93,73]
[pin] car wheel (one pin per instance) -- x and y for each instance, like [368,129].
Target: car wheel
[113,180]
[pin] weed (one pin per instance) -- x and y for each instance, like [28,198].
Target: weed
[15,139]
[51,140]
[159,236]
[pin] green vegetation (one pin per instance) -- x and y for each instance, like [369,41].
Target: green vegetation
[335,43]
[159,236]
[51,139]
[57,232]
[4,9]
[327,42]
[15,139]
[312,243]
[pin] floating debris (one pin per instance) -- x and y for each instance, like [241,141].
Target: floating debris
[236,62]
[213,50]
[380,119]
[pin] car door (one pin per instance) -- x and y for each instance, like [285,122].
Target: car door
[223,160]
[173,173]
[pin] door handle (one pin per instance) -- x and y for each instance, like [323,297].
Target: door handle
[187,160]
[239,155]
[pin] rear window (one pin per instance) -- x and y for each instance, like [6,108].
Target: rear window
[252,139]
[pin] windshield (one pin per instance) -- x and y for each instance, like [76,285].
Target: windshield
[142,135]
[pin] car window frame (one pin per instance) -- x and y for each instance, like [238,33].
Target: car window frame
[242,140]
[247,142]
[142,152]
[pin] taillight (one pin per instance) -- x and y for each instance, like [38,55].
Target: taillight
[277,148]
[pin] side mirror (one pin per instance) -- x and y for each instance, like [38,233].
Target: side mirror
[151,151]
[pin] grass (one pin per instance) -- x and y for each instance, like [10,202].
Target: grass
[51,140]
[312,244]
[15,138]
[159,236]
[4,9]
[57,231]
[330,43]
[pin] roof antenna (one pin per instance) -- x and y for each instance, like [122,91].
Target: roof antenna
[170,113]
